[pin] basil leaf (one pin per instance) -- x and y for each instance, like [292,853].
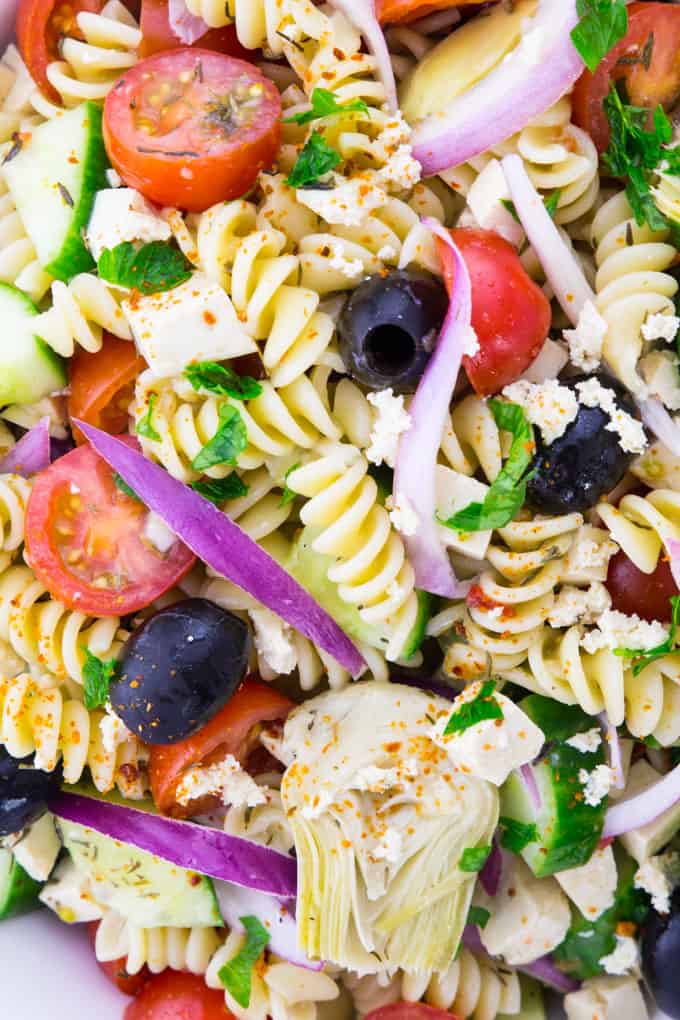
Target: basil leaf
[228,442]
[121,484]
[478,916]
[144,427]
[237,974]
[315,161]
[150,269]
[324,104]
[216,378]
[474,858]
[219,490]
[515,836]
[288,495]
[643,657]
[603,23]
[97,678]
[483,706]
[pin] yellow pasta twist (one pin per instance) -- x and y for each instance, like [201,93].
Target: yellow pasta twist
[80,312]
[187,949]
[266,824]
[14,493]
[644,525]
[22,105]
[44,722]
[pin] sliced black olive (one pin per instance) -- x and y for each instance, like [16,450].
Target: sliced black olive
[575,471]
[178,669]
[24,792]
[389,327]
[661,956]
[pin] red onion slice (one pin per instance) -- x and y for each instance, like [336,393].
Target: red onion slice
[361,13]
[545,970]
[565,275]
[277,916]
[186,26]
[220,543]
[522,86]
[414,475]
[529,779]
[613,749]
[31,454]
[490,875]
[644,807]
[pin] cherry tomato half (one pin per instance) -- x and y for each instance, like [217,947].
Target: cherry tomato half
[41,26]
[173,995]
[128,984]
[157,34]
[409,10]
[409,1011]
[102,385]
[190,128]
[647,59]
[84,540]
[234,730]
[510,313]
[648,595]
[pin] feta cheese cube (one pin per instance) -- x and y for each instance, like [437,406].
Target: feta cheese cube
[485,200]
[454,492]
[38,849]
[607,998]
[592,887]
[122,214]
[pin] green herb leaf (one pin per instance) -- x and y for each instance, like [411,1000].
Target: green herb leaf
[324,104]
[121,484]
[144,426]
[219,490]
[508,204]
[551,202]
[483,706]
[288,495]
[228,442]
[474,858]
[315,161]
[603,23]
[642,656]
[150,269]
[97,677]
[237,974]
[478,916]
[515,836]
[216,378]
[508,492]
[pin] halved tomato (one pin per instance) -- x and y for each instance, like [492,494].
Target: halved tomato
[85,540]
[157,34]
[174,995]
[409,10]
[128,984]
[234,730]
[410,1011]
[102,385]
[190,127]
[41,26]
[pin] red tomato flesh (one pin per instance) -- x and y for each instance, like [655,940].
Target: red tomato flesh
[84,540]
[190,127]
[128,984]
[102,385]
[410,10]
[177,996]
[41,26]
[510,313]
[157,34]
[648,595]
[410,1011]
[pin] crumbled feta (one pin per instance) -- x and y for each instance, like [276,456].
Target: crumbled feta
[590,557]
[403,516]
[631,433]
[157,532]
[372,779]
[617,630]
[661,372]
[113,730]
[273,640]
[390,847]
[623,959]
[338,259]
[549,406]
[122,214]
[226,779]
[658,876]
[586,742]
[387,253]
[401,169]
[114,179]
[348,202]
[391,421]
[596,784]
[576,605]
[586,339]
[660,327]
[470,342]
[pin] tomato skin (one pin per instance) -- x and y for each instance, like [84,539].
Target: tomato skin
[646,88]
[409,1011]
[128,984]
[157,34]
[227,732]
[105,522]
[40,25]
[410,10]
[648,595]
[184,167]
[174,995]
[510,313]
[100,384]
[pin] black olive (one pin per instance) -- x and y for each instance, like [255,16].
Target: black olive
[660,956]
[178,669]
[575,471]
[24,792]
[389,328]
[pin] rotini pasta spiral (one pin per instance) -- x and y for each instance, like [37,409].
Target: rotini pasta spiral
[631,284]
[187,949]
[14,493]
[79,314]
[266,824]
[22,106]
[44,722]
[643,525]
[91,66]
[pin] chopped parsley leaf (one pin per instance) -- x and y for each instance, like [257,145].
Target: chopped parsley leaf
[219,490]
[316,160]
[324,104]
[602,24]
[97,678]
[237,974]
[288,495]
[228,442]
[121,484]
[478,916]
[515,836]
[153,268]
[483,706]
[216,378]
[474,858]
[144,426]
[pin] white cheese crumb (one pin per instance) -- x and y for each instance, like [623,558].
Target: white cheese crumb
[225,778]
[470,342]
[549,406]
[660,327]
[658,876]
[371,779]
[631,433]
[391,422]
[586,742]
[273,641]
[576,605]
[617,630]
[113,730]
[347,203]
[401,169]
[387,253]
[586,339]
[403,516]
[390,847]
[338,259]
[157,532]
[596,784]
[622,960]
[589,555]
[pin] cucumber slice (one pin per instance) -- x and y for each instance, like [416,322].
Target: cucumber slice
[568,828]
[18,891]
[54,180]
[29,369]
[146,890]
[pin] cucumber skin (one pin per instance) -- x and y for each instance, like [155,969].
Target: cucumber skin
[21,894]
[417,635]
[74,256]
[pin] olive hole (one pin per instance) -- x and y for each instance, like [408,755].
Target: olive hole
[389,350]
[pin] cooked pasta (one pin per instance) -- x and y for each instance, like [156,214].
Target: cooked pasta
[187,949]
[265,823]
[14,493]
[644,525]
[79,314]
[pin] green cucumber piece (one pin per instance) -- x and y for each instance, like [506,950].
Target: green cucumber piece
[145,889]
[18,891]
[54,180]
[29,369]
[568,828]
